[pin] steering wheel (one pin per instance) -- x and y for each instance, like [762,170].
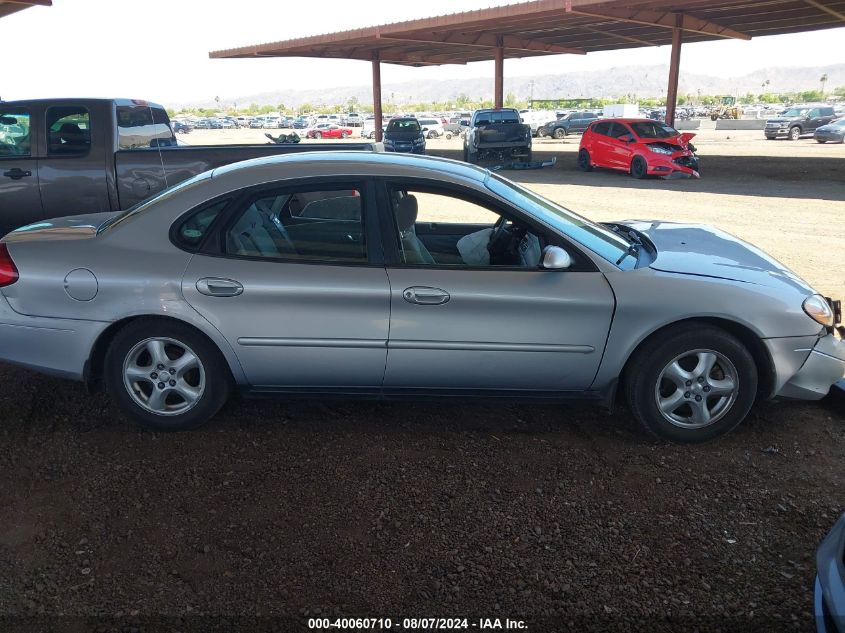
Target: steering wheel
[498,232]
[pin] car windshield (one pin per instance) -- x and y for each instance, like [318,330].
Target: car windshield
[603,242]
[793,112]
[653,129]
[403,125]
[152,201]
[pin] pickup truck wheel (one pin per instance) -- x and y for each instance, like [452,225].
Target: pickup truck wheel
[639,168]
[559,133]
[691,385]
[584,163]
[165,375]
[794,133]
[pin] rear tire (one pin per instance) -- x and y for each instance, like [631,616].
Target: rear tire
[818,140]
[675,368]
[639,168]
[318,136]
[196,379]
[584,163]
[559,133]
[344,135]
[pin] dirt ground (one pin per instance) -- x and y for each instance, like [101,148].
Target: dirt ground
[569,518]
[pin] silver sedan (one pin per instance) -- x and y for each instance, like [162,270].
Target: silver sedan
[383,275]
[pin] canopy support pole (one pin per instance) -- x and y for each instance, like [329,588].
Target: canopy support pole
[498,100]
[674,69]
[377,116]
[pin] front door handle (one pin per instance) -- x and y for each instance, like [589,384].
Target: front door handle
[426,296]
[214,287]
[16,173]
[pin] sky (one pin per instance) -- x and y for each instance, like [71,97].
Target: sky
[158,50]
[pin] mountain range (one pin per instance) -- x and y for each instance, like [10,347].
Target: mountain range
[639,81]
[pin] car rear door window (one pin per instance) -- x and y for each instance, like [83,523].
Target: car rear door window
[68,130]
[321,225]
[15,136]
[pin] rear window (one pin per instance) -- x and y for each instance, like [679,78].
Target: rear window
[497,116]
[143,127]
[403,125]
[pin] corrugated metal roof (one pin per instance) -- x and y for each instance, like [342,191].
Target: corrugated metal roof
[547,27]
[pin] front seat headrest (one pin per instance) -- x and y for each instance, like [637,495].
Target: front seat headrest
[71,134]
[406,213]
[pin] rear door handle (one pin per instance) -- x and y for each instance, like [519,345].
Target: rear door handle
[16,173]
[423,295]
[214,287]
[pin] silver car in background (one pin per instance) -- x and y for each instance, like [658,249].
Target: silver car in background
[383,275]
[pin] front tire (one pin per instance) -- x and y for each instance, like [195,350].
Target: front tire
[693,384]
[165,375]
[639,168]
[794,133]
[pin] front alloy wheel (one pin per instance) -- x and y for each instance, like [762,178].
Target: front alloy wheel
[794,133]
[691,383]
[696,388]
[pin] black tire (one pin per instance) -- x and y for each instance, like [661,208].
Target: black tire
[372,135]
[559,133]
[714,117]
[218,379]
[318,135]
[448,136]
[432,134]
[639,168]
[470,157]
[584,163]
[818,140]
[794,133]
[640,383]
[344,135]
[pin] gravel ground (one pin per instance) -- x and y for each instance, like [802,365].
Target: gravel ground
[567,517]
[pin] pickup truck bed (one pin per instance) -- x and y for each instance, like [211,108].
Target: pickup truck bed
[71,156]
[499,135]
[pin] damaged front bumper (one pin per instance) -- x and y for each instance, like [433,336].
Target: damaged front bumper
[823,366]
[680,165]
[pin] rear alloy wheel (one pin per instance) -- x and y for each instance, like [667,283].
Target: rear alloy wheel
[344,135]
[639,168]
[584,163]
[318,135]
[559,133]
[432,134]
[794,133]
[692,385]
[818,140]
[165,375]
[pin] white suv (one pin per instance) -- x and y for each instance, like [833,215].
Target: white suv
[432,128]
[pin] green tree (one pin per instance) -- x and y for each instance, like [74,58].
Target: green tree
[840,91]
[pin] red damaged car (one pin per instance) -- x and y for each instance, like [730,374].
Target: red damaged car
[641,147]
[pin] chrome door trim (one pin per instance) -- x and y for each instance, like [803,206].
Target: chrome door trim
[312,342]
[489,347]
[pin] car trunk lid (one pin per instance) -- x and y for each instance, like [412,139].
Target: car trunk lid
[74,227]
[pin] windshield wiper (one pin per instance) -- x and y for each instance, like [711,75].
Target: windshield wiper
[633,249]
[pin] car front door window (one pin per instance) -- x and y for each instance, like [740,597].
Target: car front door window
[438,228]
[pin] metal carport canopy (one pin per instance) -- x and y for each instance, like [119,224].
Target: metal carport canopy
[8,7]
[553,27]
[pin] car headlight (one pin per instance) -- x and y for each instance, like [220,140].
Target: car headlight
[818,309]
[659,150]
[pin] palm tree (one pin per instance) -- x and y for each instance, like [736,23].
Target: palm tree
[823,81]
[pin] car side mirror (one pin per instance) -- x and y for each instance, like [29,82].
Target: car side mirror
[555,258]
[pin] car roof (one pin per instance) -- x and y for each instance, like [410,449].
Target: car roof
[283,166]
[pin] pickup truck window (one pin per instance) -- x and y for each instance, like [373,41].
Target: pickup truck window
[142,126]
[497,116]
[14,133]
[68,130]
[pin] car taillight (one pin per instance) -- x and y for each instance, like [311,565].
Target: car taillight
[8,270]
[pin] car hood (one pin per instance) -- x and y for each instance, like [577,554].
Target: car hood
[677,143]
[72,227]
[782,119]
[695,249]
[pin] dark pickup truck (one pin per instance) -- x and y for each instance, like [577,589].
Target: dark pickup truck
[497,134]
[799,120]
[70,156]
